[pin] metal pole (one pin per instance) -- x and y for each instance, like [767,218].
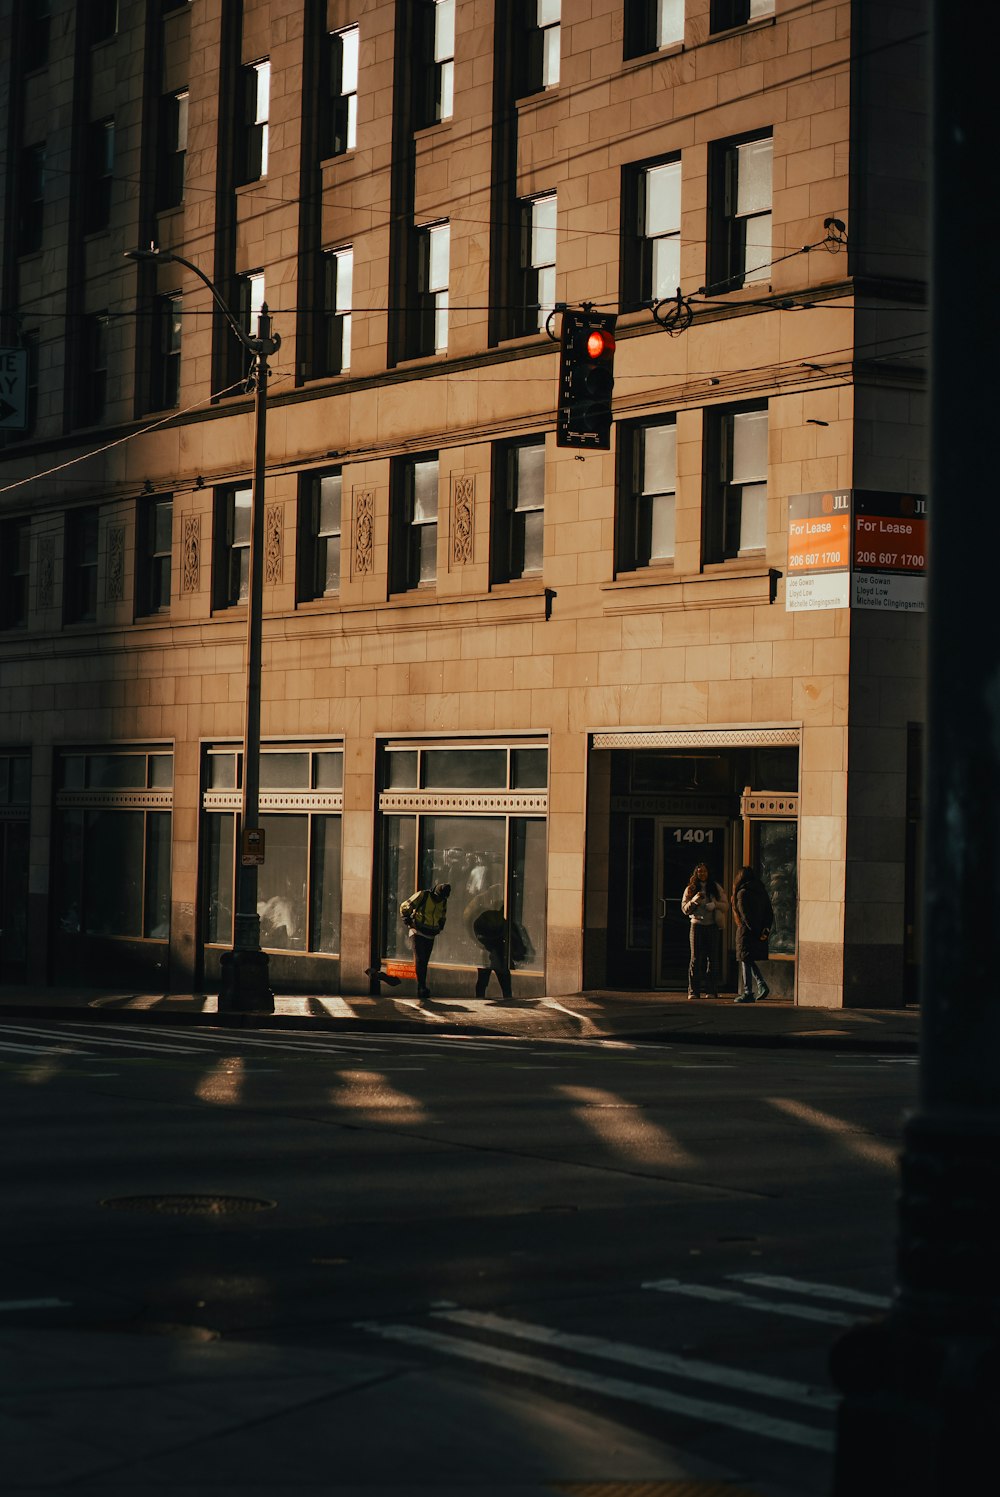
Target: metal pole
[922,1386]
[244,985]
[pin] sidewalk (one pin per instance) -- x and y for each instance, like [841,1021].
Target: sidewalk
[666,1018]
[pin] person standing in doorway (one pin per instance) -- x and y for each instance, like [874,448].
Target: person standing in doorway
[488,926]
[424,916]
[705,904]
[754,921]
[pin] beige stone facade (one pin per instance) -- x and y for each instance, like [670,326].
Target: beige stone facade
[659,688]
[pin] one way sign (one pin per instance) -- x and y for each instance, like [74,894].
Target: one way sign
[13,389]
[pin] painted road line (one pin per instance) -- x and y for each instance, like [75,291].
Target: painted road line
[26,1049]
[103,1039]
[814,1291]
[645,1357]
[730,1416]
[34,1304]
[199,1047]
[749,1301]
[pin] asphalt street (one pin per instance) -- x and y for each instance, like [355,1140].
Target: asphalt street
[294,1261]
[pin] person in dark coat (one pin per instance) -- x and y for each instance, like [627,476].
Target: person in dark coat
[754,920]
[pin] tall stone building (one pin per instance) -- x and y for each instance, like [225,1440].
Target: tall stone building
[557,677]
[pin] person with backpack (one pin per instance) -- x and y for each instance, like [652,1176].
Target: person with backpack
[488,926]
[424,916]
[754,920]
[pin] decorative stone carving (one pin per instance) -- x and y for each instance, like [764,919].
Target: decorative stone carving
[364,532]
[46,571]
[114,590]
[463,525]
[698,738]
[272,543]
[191,554]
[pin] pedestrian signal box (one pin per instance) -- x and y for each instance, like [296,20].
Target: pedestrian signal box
[586,380]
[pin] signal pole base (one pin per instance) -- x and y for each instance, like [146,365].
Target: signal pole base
[244,987]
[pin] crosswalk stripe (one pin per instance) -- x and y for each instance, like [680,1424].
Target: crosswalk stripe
[731,1416]
[641,1356]
[24,1049]
[749,1301]
[814,1291]
[99,1038]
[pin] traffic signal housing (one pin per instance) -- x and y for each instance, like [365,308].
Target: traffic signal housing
[586,380]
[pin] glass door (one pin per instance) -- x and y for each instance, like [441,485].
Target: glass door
[680,845]
[13,900]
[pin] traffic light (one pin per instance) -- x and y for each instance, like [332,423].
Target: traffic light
[586,379]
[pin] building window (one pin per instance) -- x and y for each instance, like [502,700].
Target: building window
[100,174]
[256,80]
[740,213]
[103,16]
[542,44]
[340,132]
[537,262]
[518,509]
[725,14]
[173,151]
[167,353]
[154,545]
[92,387]
[32,199]
[112,843]
[319,535]
[434,68]
[651,222]
[248,303]
[80,566]
[15,548]
[652,24]
[736,474]
[37,16]
[647,493]
[334,341]
[414,506]
[231,572]
[298,886]
[495,861]
[433,254]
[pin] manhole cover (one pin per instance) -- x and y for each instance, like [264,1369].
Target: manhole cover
[189,1205]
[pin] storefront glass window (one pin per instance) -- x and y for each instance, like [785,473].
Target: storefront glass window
[112,891]
[281,882]
[157,916]
[284,771]
[222,771]
[219,865]
[401,770]
[116,771]
[527,894]
[468,853]
[776,849]
[69,862]
[328,771]
[462,769]
[529,769]
[325,901]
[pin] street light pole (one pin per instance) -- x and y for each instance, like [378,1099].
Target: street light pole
[244,986]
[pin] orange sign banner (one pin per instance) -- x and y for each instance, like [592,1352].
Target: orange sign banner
[819,542]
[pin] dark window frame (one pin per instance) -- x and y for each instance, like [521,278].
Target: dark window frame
[153,555]
[231,551]
[253,135]
[727,228]
[15,571]
[511,527]
[723,493]
[339,107]
[102,18]
[92,373]
[167,336]
[80,564]
[31,198]
[172,155]
[334,327]
[728,15]
[634,517]
[37,19]
[641,28]
[411,538]
[637,247]
[316,538]
[100,174]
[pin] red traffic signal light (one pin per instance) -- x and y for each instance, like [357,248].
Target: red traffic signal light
[586,380]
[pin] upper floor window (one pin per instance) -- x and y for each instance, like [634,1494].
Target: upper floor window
[92,370]
[15,546]
[166,384]
[538,260]
[735,515]
[154,545]
[103,19]
[31,197]
[652,24]
[725,14]
[414,507]
[231,572]
[340,127]
[37,21]
[334,351]
[100,173]
[256,108]
[651,252]
[433,255]
[542,45]
[647,455]
[249,302]
[518,509]
[172,155]
[80,566]
[740,213]
[434,64]
[319,535]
